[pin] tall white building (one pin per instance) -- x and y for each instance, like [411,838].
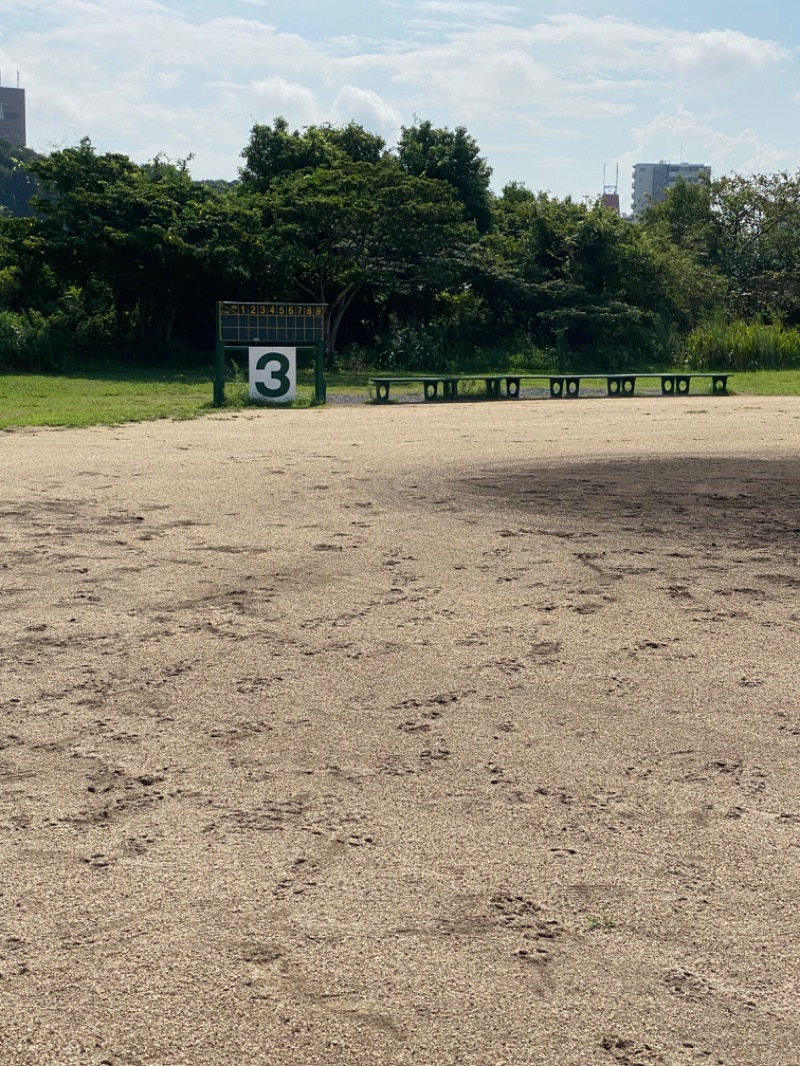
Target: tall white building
[652,180]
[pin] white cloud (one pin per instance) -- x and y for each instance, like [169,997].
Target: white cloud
[723,53]
[277,96]
[353,104]
[469,9]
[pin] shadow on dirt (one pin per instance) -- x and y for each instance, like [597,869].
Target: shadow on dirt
[725,502]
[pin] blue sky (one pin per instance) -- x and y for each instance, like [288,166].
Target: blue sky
[552,92]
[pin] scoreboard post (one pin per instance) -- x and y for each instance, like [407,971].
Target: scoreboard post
[244,325]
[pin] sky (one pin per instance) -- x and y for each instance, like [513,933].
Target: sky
[561,96]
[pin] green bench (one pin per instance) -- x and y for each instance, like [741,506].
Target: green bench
[447,382]
[445,386]
[671,384]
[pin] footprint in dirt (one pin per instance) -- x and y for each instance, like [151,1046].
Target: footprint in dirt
[301,878]
[538,932]
[434,755]
[627,1052]
[688,985]
[114,794]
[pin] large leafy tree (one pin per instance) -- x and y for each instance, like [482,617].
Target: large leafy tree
[273,152]
[331,233]
[576,277]
[758,222]
[144,239]
[452,156]
[744,229]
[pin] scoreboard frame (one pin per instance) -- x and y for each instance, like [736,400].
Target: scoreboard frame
[270,322]
[242,324]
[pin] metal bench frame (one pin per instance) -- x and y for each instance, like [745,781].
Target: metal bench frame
[561,385]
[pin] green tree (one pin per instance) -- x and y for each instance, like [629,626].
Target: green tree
[686,219]
[758,222]
[17,184]
[578,279]
[746,230]
[275,151]
[329,234]
[141,242]
[452,156]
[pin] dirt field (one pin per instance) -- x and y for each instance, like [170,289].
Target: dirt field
[461,734]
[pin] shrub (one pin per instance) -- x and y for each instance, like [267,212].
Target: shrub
[30,340]
[413,348]
[721,345]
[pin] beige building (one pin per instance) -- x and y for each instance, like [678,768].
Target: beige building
[12,116]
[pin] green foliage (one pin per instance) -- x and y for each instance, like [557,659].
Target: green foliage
[116,251]
[329,234]
[686,219]
[413,349]
[28,339]
[274,152]
[452,157]
[579,281]
[32,340]
[420,265]
[744,230]
[721,345]
[17,184]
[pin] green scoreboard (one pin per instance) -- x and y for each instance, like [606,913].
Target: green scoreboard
[270,323]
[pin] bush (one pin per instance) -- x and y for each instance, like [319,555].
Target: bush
[31,341]
[413,348]
[721,345]
[80,332]
[610,337]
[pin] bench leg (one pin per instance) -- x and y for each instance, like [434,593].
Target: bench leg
[573,386]
[682,384]
[430,389]
[667,384]
[556,387]
[512,388]
[621,386]
[382,392]
[719,383]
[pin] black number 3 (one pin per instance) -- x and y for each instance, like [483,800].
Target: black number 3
[281,375]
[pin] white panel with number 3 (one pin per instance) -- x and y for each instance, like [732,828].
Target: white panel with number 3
[273,374]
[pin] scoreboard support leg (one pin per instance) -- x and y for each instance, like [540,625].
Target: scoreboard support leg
[320,388]
[219,374]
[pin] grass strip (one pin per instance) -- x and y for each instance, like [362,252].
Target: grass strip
[89,399]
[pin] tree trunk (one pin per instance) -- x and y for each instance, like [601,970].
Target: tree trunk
[336,313]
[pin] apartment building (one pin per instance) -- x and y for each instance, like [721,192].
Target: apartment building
[651,181]
[12,116]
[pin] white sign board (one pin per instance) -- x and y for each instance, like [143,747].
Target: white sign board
[273,374]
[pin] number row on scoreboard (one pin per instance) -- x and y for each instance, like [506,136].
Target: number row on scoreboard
[283,310]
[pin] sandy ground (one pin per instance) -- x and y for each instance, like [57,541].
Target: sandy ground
[459,734]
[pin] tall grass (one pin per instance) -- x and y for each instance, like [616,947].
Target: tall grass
[720,345]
